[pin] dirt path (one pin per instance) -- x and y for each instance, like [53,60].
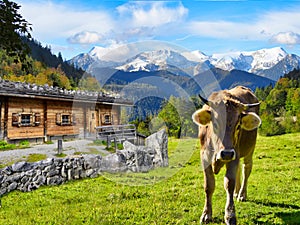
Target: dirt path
[50,150]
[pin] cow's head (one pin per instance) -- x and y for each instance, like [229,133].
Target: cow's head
[226,117]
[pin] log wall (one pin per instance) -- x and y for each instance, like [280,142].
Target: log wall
[85,117]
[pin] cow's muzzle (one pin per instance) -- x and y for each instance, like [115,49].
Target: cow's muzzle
[226,155]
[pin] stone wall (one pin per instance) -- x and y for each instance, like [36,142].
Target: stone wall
[26,176]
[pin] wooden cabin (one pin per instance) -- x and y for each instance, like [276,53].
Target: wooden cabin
[42,113]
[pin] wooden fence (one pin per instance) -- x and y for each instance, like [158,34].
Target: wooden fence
[116,133]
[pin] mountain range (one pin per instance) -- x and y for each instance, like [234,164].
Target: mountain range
[270,63]
[191,71]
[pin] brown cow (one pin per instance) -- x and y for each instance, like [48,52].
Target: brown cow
[228,125]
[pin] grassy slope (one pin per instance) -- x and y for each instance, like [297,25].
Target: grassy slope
[168,196]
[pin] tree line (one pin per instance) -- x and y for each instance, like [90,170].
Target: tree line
[26,60]
[280,105]
[174,114]
[279,111]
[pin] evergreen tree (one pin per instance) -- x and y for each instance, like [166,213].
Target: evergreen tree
[12,27]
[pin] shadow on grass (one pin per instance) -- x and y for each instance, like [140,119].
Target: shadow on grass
[287,217]
[272,204]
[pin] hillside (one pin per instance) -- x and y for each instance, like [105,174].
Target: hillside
[44,55]
[280,106]
[46,68]
[216,79]
[212,80]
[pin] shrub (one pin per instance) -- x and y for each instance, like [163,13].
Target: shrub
[5,146]
[24,144]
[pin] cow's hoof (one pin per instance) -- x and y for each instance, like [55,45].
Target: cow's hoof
[230,221]
[205,218]
[241,198]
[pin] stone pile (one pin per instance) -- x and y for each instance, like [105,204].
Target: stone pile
[26,176]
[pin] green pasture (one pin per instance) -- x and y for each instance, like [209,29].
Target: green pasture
[170,195]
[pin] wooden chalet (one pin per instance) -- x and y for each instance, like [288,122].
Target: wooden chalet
[42,113]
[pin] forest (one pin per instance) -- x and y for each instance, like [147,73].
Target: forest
[280,105]
[279,110]
[40,71]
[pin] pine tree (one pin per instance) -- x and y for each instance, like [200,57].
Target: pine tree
[12,28]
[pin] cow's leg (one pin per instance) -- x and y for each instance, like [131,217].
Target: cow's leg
[247,168]
[229,185]
[209,187]
[237,182]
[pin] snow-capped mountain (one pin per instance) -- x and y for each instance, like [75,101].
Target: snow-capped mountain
[159,60]
[271,63]
[253,61]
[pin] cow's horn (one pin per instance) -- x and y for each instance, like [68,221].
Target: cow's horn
[247,106]
[205,101]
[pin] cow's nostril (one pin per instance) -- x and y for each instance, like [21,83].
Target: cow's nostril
[227,155]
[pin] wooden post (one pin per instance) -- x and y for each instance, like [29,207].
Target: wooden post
[115,140]
[107,142]
[59,147]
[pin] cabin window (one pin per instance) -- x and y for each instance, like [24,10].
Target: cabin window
[107,119]
[65,119]
[26,119]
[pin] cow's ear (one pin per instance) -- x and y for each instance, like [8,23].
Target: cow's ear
[202,117]
[250,121]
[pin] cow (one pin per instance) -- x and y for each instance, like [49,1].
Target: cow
[228,123]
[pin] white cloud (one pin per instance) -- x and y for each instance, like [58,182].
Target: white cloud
[152,14]
[287,38]
[52,21]
[60,23]
[261,28]
[85,37]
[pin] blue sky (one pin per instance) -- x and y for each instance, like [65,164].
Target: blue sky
[75,26]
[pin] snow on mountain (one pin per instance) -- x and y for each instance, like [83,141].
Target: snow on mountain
[266,58]
[158,60]
[251,61]
[196,56]
[83,61]
[98,52]
[261,62]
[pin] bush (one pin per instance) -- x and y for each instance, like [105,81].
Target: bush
[270,126]
[24,144]
[5,146]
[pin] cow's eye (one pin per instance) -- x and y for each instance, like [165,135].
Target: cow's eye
[216,126]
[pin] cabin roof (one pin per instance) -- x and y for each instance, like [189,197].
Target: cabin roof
[28,90]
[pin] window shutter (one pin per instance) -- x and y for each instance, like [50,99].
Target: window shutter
[73,119]
[58,119]
[32,119]
[37,119]
[16,119]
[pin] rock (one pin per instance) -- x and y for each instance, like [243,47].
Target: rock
[12,186]
[21,166]
[29,176]
[114,163]
[159,142]
[91,161]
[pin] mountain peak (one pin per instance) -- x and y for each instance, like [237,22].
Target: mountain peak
[131,59]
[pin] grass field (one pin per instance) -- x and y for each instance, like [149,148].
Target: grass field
[170,195]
